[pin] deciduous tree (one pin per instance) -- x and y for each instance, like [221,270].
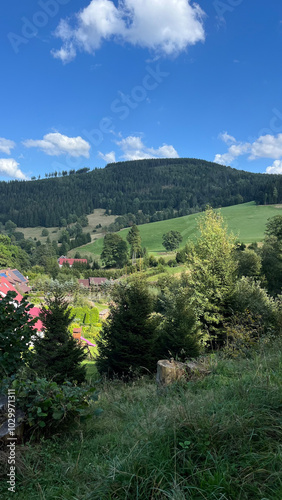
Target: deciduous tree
[16,331]
[115,252]
[172,240]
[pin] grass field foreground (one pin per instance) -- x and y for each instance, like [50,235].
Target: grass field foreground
[218,438]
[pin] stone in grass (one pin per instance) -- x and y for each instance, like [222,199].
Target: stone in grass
[171,371]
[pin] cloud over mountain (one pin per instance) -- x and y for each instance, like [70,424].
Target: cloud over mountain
[56,144]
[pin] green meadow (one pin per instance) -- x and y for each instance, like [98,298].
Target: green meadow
[246,221]
[217,438]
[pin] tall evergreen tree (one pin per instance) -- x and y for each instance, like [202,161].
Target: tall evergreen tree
[134,240]
[128,338]
[179,329]
[58,356]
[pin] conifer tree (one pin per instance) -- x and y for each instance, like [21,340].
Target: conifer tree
[134,240]
[180,335]
[128,338]
[58,356]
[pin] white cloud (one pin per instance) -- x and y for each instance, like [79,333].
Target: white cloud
[108,157]
[228,139]
[56,144]
[66,53]
[276,168]
[164,26]
[234,151]
[9,168]
[266,146]
[133,148]
[6,146]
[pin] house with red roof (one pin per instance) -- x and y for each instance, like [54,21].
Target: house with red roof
[5,287]
[93,282]
[16,278]
[70,262]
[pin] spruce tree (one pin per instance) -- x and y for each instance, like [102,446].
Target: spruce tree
[128,338]
[134,240]
[180,335]
[58,356]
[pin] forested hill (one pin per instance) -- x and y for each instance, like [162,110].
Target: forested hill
[151,186]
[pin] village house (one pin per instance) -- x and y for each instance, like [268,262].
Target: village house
[17,279]
[93,282]
[64,260]
[14,281]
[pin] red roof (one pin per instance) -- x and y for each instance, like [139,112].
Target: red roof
[97,281]
[84,282]
[34,312]
[6,286]
[71,261]
[17,279]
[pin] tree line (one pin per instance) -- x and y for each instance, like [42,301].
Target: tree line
[150,190]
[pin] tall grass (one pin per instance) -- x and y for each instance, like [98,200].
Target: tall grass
[218,438]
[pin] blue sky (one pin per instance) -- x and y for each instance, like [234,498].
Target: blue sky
[89,82]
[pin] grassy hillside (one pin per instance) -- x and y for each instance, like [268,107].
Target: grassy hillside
[97,217]
[247,221]
[213,439]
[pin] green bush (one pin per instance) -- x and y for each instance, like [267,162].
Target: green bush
[248,294]
[16,331]
[86,316]
[243,331]
[49,406]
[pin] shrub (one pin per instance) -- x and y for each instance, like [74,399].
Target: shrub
[243,331]
[172,263]
[248,294]
[49,406]
[16,331]
[249,263]
[153,261]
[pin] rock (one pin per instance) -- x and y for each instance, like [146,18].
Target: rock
[170,371]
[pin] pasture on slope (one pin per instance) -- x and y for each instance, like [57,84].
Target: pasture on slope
[247,221]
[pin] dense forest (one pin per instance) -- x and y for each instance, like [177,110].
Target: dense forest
[169,187]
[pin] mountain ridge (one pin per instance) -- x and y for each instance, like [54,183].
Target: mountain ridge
[169,187]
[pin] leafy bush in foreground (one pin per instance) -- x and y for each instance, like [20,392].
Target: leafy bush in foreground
[16,331]
[48,406]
